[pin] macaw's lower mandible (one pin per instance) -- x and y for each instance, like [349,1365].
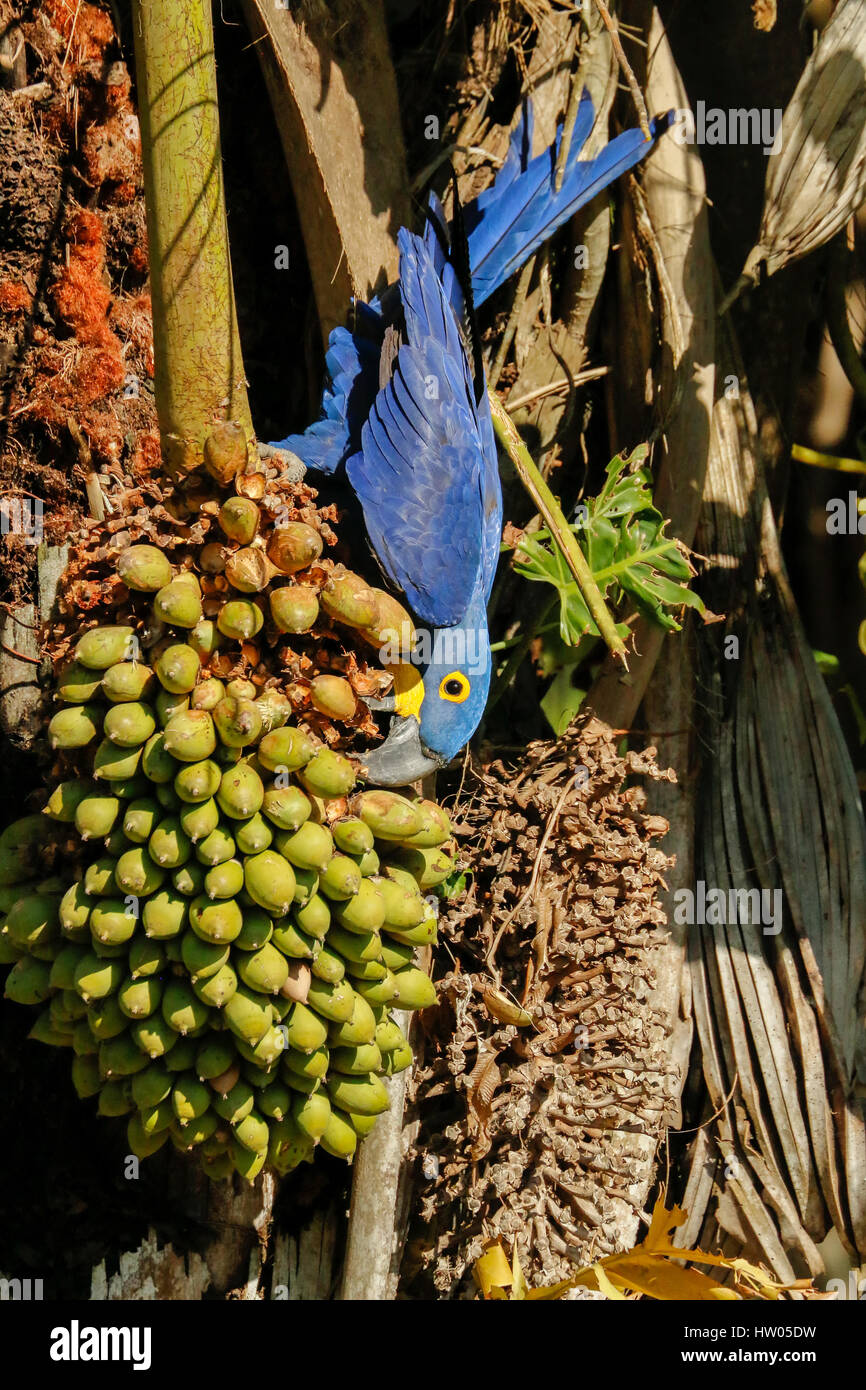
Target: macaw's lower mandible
[406,413]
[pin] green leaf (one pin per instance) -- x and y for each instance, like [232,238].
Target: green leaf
[562,701]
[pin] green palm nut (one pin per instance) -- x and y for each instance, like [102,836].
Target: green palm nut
[114,763]
[63,966]
[265,970]
[304,1084]
[425,934]
[333,696]
[102,647]
[259,1077]
[144,567]
[141,819]
[190,736]
[253,835]
[333,1002]
[294,608]
[131,788]
[127,681]
[217,990]
[85,1077]
[256,930]
[361,1124]
[275,1100]
[105,1018]
[428,867]
[352,835]
[236,1104]
[28,981]
[145,957]
[95,816]
[114,1099]
[154,1037]
[189,880]
[267,1051]
[204,639]
[77,684]
[140,1142]
[247,1163]
[75,726]
[367,971]
[237,722]
[306,886]
[136,873]
[96,978]
[339,1138]
[309,847]
[181,1009]
[120,1057]
[270,882]
[157,764]
[240,792]
[365,912]
[285,749]
[286,807]
[111,923]
[341,878]
[389,1036]
[389,816]
[9,950]
[363,1095]
[305,1031]
[240,619]
[348,598]
[178,604]
[84,1041]
[403,908]
[377,991]
[177,668]
[164,915]
[313,917]
[66,798]
[33,921]
[116,843]
[214,1057]
[435,826]
[396,955]
[106,950]
[199,819]
[190,1098]
[252,1133]
[139,998]
[207,694]
[398,1060]
[415,989]
[156,1119]
[328,774]
[224,880]
[311,1113]
[368,863]
[168,705]
[239,518]
[355,946]
[198,781]
[275,709]
[311,1065]
[248,1015]
[356,1061]
[169,846]
[218,921]
[360,1028]
[294,943]
[202,958]
[328,966]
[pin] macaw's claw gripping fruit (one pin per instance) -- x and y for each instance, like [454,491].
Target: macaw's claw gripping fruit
[208,913]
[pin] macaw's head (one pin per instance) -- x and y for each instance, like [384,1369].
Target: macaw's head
[436,711]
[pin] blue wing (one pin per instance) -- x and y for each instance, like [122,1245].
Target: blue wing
[421,475]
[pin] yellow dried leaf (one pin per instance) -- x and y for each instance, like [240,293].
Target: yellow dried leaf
[492,1270]
[504,1010]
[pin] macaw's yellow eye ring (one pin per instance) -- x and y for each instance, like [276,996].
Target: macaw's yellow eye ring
[454,687]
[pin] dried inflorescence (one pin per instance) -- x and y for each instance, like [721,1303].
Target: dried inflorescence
[546,1022]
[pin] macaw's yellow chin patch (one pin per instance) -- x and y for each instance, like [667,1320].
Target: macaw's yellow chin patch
[408,690]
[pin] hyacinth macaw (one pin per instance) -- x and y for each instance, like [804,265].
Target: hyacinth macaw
[405,410]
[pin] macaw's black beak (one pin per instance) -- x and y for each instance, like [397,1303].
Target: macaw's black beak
[402,758]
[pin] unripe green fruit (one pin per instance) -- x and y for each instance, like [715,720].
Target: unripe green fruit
[389,816]
[178,604]
[105,646]
[214,1057]
[164,915]
[114,1099]
[267,1051]
[198,781]
[168,705]
[389,1036]
[275,709]
[153,1037]
[352,836]
[181,1051]
[106,1019]
[240,619]
[156,1119]
[139,998]
[294,608]
[224,880]
[425,934]
[309,847]
[256,930]
[361,1124]
[313,917]
[355,946]
[75,726]
[360,1028]
[219,988]
[96,978]
[239,519]
[78,684]
[218,922]
[120,1057]
[334,1002]
[363,1095]
[181,1009]
[333,696]
[398,1060]
[33,920]
[144,567]
[328,774]
[248,1015]
[312,1066]
[341,878]
[28,981]
[328,966]
[287,1147]
[305,1085]
[294,943]
[9,950]
[116,843]
[241,689]
[146,957]
[190,736]
[216,847]
[415,989]
[208,694]
[236,1104]
[247,1163]
[365,912]
[311,1113]
[136,873]
[83,1040]
[199,819]
[396,955]
[237,722]
[141,819]
[286,748]
[403,909]
[240,793]
[113,763]
[265,970]
[190,1098]
[435,825]
[177,668]
[428,867]
[356,1061]
[377,991]
[304,1029]
[189,879]
[66,798]
[157,764]
[270,882]
[129,724]
[169,846]
[286,807]
[338,1137]
[259,1077]
[252,1132]
[202,958]
[108,950]
[253,835]
[275,1101]
[111,923]
[140,1142]
[306,886]
[367,971]
[127,680]
[63,966]
[204,640]
[85,1077]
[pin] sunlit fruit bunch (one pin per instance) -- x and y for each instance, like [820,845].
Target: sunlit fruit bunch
[207,911]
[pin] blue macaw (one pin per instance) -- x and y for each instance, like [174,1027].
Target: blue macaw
[405,410]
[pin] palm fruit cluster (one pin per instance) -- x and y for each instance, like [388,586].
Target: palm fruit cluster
[208,911]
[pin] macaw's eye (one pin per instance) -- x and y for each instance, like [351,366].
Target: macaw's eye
[454,687]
